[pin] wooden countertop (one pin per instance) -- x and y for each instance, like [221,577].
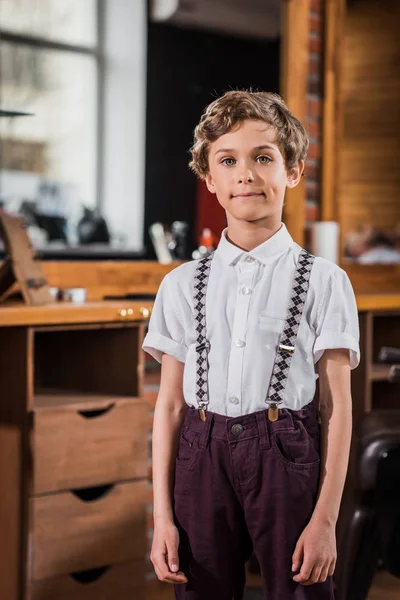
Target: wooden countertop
[16,313]
[377,302]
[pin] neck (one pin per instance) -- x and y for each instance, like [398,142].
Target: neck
[246,238]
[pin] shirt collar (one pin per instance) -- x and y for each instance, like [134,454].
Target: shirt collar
[264,253]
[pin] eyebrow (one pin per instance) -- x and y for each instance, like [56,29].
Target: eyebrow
[258,148]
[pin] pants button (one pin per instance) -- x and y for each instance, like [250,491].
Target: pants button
[237,429]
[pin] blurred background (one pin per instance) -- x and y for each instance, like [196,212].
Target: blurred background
[98,103]
[116,88]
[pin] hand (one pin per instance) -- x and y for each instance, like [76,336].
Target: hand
[164,554]
[315,552]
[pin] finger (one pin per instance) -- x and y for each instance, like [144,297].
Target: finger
[297,557]
[311,579]
[161,567]
[164,574]
[305,572]
[172,552]
[324,573]
[315,574]
[332,567]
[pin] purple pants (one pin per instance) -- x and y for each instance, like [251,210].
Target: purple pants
[244,484]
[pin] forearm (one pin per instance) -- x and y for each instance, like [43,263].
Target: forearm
[166,429]
[336,429]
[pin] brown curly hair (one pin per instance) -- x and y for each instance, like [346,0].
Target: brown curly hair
[230,110]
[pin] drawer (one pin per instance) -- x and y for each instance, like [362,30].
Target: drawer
[116,582]
[84,529]
[81,448]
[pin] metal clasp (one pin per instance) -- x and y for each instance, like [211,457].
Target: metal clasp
[287,349]
[206,345]
[202,413]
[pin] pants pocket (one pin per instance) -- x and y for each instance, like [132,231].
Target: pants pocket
[297,448]
[188,448]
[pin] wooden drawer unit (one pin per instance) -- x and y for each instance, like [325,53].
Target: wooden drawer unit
[124,581]
[88,443]
[83,529]
[73,460]
[119,582]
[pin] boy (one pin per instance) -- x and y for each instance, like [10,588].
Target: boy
[242,459]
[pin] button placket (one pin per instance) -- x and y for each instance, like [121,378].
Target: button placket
[246,277]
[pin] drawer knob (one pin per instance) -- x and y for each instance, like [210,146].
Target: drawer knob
[125,313]
[145,312]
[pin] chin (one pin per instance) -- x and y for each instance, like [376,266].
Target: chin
[250,216]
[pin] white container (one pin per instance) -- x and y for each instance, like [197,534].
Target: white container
[325,240]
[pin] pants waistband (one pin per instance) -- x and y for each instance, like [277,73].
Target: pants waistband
[250,425]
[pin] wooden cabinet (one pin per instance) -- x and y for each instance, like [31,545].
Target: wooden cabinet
[73,455]
[371,386]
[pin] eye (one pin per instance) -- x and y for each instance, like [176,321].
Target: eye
[263,160]
[228,162]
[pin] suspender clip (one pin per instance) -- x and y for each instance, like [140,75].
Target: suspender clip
[202,413]
[205,345]
[287,349]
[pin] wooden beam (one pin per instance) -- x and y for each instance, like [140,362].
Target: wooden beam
[293,88]
[332,106]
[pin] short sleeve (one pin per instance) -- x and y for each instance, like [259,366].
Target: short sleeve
[337,323]
[166,333]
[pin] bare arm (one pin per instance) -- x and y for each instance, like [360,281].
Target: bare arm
[168,418]
[336,428]
[316,548]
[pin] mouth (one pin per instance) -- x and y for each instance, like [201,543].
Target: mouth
[249,195]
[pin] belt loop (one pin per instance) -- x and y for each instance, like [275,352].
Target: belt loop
[261,417]
[205,434]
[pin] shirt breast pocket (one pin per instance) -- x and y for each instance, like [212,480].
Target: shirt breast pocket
[271,323]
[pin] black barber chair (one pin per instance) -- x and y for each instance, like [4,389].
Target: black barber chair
[371,536]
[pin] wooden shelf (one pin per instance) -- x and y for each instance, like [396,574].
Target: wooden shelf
[76,400]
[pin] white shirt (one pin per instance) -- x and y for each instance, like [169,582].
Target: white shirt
[247,298]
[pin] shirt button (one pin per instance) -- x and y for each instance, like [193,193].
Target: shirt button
[240,343]
[249,259]
[234,400]
[246,291]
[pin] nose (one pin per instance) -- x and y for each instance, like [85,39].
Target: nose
[245,175]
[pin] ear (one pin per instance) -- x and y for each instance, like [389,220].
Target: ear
[210,184]
[295,175]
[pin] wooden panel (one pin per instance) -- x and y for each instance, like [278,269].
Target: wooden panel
[369,153]
[107,277]
[333,47]
[118,582]
[102,278]
[91,446]
[293,86]
[70,534]
[15,389]
[378,285]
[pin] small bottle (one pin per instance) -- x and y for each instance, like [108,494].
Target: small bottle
[206,245]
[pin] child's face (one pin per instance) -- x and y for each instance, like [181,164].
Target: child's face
[247,172]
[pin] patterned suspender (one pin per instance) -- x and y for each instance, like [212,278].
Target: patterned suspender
[203,345]
[287,340]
